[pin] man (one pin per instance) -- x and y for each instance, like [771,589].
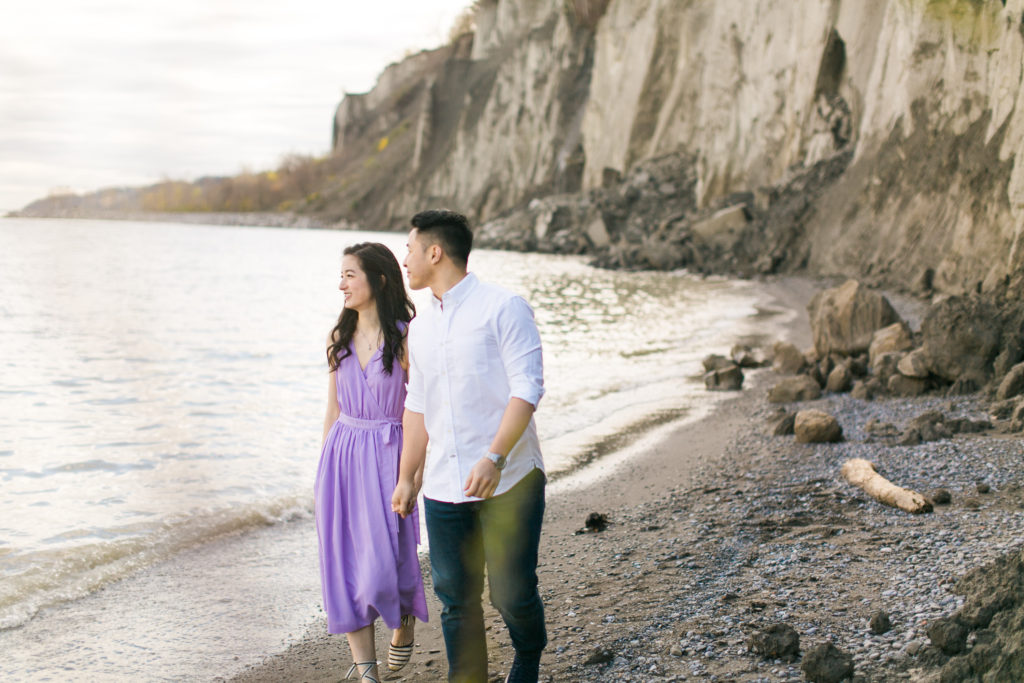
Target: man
[475,378]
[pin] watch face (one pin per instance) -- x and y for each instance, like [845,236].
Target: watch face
[498,460]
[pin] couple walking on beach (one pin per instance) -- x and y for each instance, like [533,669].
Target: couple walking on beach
[462,430]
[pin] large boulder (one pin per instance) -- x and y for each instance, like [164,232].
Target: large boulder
[815,426]
[777,641]
[961,337]
[729,378]
[840,379]
[799,388]
[900,385]
[825,663]
[787,359]
[844,319]
[895,337]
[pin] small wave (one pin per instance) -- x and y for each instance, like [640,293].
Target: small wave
[40,579]
[101,465]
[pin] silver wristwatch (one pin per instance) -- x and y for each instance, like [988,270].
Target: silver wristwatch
[498,460]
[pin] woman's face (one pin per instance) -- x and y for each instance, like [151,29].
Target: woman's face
[354,284]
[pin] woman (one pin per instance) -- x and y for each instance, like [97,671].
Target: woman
[368,561]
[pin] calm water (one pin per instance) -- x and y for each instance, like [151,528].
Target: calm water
[161,385]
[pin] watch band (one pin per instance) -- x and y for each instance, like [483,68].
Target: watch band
[498,460]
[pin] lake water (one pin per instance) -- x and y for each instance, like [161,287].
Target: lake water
[162,386]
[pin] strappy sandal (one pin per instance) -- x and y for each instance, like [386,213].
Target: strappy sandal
[399,655]
[363,675]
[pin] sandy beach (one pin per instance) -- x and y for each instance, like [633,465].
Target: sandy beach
[719,529]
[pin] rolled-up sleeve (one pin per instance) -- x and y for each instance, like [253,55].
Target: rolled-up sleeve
[519,344]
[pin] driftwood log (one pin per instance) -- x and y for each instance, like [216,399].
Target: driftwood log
[862,474]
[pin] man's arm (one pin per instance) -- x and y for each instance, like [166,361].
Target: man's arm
[520,349]
[410,471]
[484,477]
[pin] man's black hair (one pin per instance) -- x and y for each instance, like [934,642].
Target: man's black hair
[450,229]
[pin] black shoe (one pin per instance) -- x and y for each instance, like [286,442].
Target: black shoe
[525,669]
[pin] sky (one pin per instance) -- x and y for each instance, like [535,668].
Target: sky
[102,93]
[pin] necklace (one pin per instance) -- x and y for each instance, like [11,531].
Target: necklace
[370,345]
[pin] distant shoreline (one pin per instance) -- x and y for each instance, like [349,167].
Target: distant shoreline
[265,219]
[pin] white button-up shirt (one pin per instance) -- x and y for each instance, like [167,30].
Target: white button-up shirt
[469,354]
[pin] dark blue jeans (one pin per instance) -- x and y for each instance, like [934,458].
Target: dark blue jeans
[502,532]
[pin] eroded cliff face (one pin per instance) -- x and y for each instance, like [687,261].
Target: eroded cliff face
[906,113]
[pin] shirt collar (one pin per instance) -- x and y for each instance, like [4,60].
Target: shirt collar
[457,294]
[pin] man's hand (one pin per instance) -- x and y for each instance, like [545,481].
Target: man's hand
[404,498]
[483,479]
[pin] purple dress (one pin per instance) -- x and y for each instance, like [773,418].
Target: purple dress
[368,561]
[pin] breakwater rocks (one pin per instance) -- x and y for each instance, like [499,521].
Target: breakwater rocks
[966,345]
[651,219]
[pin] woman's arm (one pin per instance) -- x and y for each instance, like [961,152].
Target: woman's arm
[332,406]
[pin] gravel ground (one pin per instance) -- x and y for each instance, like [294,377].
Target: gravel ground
[770,533]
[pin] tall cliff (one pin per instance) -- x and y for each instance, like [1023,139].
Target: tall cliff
[914,106]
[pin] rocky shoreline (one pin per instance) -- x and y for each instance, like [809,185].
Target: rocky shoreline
[734,553]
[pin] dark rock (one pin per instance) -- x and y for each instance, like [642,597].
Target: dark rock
[783,426]
[790,389]
[967,384]
[596,521]
[1012,384]
[844,319]
[961,337]
[599,655]
[880,623]
[899,385]
[825,663]
[949,635]
[972,503]
[716,362]
[941,497]
[724,379]
[914,364]
[963,425]
[929,417]
[910,437]
[1017,419]
[814,372]
[787,359]
[778,641]
[983,488]
[746,357]
[934,432]
[1003,410]
[883,429]
[865,390]
[884,366]
[815,426]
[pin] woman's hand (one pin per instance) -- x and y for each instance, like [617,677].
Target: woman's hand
[483,479]
[404,498]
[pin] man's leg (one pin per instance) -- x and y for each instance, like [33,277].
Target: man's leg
[511,525]
[457,568]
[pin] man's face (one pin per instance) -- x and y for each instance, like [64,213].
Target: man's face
[417,261]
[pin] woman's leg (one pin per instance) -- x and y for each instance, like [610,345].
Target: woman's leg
[363,648]
[406,633]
